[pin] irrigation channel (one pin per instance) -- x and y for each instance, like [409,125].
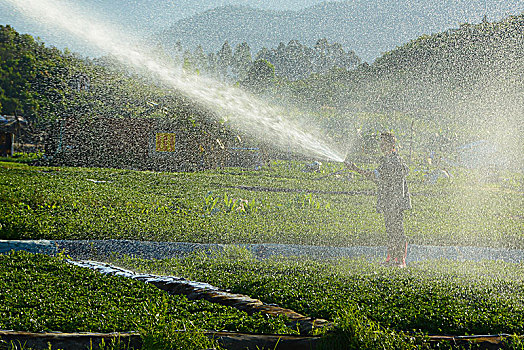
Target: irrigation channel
[82,251]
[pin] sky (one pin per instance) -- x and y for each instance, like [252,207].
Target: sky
[139,15]
[149,16]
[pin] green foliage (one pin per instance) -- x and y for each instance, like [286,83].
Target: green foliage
[445,82]
[210,203]
[39,293]
[307,201]
[280,204]
[353,330]
[26,158]
[514,342]
[45,84]
[366,300]
[227,204]
[52,203]
[241,61]
[162,333]
[438,81]
[260,77]
[17,69]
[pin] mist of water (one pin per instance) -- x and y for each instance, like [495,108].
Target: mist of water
[242,110]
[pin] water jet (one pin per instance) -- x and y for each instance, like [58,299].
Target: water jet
[230,104]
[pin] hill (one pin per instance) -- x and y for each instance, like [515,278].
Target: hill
[459,86]
[368,28]
[464,83]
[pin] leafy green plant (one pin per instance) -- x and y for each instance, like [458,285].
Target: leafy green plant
[210,203]
[40,293]
[353,330]
[24,158]
[514,342]
[114,344]
[230,203]
[161,333]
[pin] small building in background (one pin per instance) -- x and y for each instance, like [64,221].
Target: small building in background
[159,144]
[10,127]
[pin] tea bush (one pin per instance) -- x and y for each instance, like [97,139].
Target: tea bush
[231,206]
[437,297]
[40,293]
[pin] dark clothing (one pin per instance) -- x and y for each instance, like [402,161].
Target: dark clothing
[392,199]
[397,240]
[390,176]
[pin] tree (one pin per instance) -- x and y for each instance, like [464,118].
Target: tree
[178,52]
[296,61]
[241,61]
[17,71]
[260,77]
[212,64]
[225,58]
[200,58]
[188,61]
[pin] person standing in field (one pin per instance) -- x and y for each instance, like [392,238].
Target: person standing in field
[392,196]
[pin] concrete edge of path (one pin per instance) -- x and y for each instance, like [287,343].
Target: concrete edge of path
[228,340]
[133,340]
[99,249]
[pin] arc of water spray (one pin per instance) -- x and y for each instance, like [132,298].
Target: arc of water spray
[249,114]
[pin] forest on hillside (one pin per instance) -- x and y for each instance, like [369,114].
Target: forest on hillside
[454,87]
[292,61]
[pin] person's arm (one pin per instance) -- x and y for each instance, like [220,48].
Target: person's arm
[371,175]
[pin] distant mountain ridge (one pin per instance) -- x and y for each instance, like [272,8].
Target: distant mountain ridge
[367,28]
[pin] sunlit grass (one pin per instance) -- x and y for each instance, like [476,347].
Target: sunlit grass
[282,204]
[435,296]
[42,294]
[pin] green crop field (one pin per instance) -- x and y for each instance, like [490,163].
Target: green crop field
[370,305]
[83,300]
[40,293]
[430,297]
[435,296]
[277,204]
